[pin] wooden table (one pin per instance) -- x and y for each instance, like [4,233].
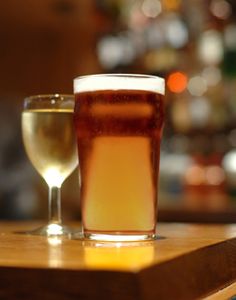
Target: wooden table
[188,262]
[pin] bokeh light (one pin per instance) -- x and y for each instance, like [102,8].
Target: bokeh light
[220,9]
[176,31]
[115,50]
[229,165]
[210,175]
[229,162]
[210,48]
[197,86]
[177,82]
[212,75]
[195,175]
[214,175]
[171,4]
[151,8]
[136,18]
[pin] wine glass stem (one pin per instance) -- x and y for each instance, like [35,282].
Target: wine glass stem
[55,205]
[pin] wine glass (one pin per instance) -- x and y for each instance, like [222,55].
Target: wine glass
[50,142]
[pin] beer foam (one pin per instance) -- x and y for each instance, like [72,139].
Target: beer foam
[101,82]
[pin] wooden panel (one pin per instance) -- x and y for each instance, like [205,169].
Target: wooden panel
[45,45]
[182,213]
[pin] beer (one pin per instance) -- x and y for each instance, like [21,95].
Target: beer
[118,134]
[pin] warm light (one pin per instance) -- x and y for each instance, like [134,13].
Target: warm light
[220,8]
[118,239]
[136,18]
[53,177]
[197,86]
[151,8]
[54,241]
[54,229]
[171,4]
[210,47]
[212,75]
[54,250]
[214,175]
[119,257]
[195,175]
[177,82]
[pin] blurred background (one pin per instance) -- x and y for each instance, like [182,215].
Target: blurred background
[44,45]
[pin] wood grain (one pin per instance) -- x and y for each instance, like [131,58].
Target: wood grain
[190,262]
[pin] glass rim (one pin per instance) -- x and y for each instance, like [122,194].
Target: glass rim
[108,81]
[48,96]
[132,75]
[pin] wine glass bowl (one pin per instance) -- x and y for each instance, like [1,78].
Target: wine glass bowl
[50,143]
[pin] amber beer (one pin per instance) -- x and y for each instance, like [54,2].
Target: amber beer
[119,122]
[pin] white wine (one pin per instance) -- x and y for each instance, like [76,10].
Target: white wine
[50,142]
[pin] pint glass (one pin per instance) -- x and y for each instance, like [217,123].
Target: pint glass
[119,121]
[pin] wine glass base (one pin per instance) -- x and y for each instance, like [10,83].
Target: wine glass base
[52,230]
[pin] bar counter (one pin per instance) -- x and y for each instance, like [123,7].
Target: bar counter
[186,262]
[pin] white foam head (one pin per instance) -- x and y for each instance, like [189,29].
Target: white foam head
[119,82]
